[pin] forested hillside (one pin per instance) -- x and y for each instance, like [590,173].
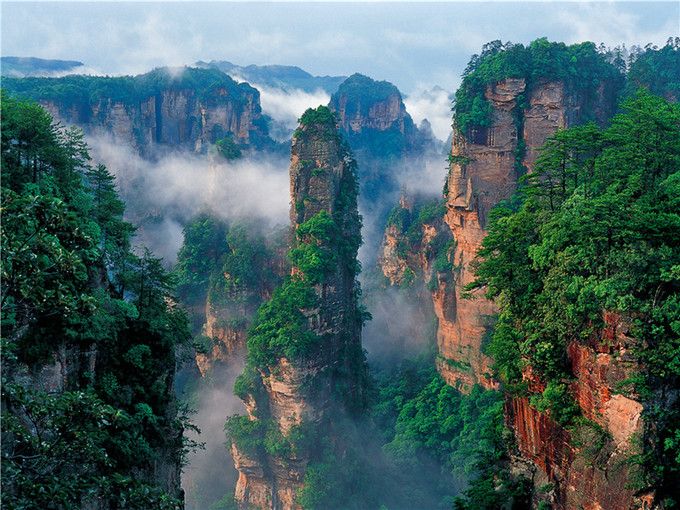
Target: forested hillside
[89,334]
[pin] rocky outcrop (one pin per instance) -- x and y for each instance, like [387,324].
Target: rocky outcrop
[166,109]
[586,466]
[485,166]
[226,330]
[367,109]
[291,394]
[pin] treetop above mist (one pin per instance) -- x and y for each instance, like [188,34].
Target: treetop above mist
[79,89]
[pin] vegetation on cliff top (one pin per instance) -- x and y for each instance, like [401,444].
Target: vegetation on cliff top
[658,70]
[320,123]
[72,285]
[595,229]
[86,90]
[580,66]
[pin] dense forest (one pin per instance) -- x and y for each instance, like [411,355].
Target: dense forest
[98,420]
[595,230]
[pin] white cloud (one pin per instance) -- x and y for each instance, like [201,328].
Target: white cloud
[162,195]
[286,106]
[608,23]
[431,104]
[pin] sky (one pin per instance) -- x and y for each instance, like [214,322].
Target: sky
[413,45]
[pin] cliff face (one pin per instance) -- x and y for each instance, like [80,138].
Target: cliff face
[485,166]
[294,393]
[160,110]
[586,466]
[369,109]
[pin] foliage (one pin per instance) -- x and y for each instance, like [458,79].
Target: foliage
[316,253]
[320,122]
[73,288]
[557,401]
[595,229]
[460,431]
[320,115]
[580,66]
[280,327]
[83,90]
[231,265]
[203,248]
[658,70]
[228,148]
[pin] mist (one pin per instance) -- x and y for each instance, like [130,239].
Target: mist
[210,473]
[285,105]
[402,326]
[423,176]
[161,196]
[434,105]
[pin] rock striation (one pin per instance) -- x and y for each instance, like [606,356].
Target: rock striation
[165,109]
[295,397]
[587,466]
[485,166]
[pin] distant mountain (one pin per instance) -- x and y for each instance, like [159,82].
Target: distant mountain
[277,76]
[20,67]
[165,109]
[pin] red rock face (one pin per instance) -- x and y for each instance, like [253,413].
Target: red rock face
[586,465]
[481,175]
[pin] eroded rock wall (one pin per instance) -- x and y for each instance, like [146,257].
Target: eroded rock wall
[584,466]
[485,166]
[172,120]
[587,466]
[310,390]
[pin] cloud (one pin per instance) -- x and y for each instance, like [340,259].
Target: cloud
[162,195]
[286,106]
[406,43]
[434,105]
[427,179]
[612,25]
[210,473]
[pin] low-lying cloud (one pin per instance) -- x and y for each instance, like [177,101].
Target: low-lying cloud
[210,473]
[434,105]
[286,106]
[162,195]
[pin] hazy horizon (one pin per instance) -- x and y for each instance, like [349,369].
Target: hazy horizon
[414,45]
